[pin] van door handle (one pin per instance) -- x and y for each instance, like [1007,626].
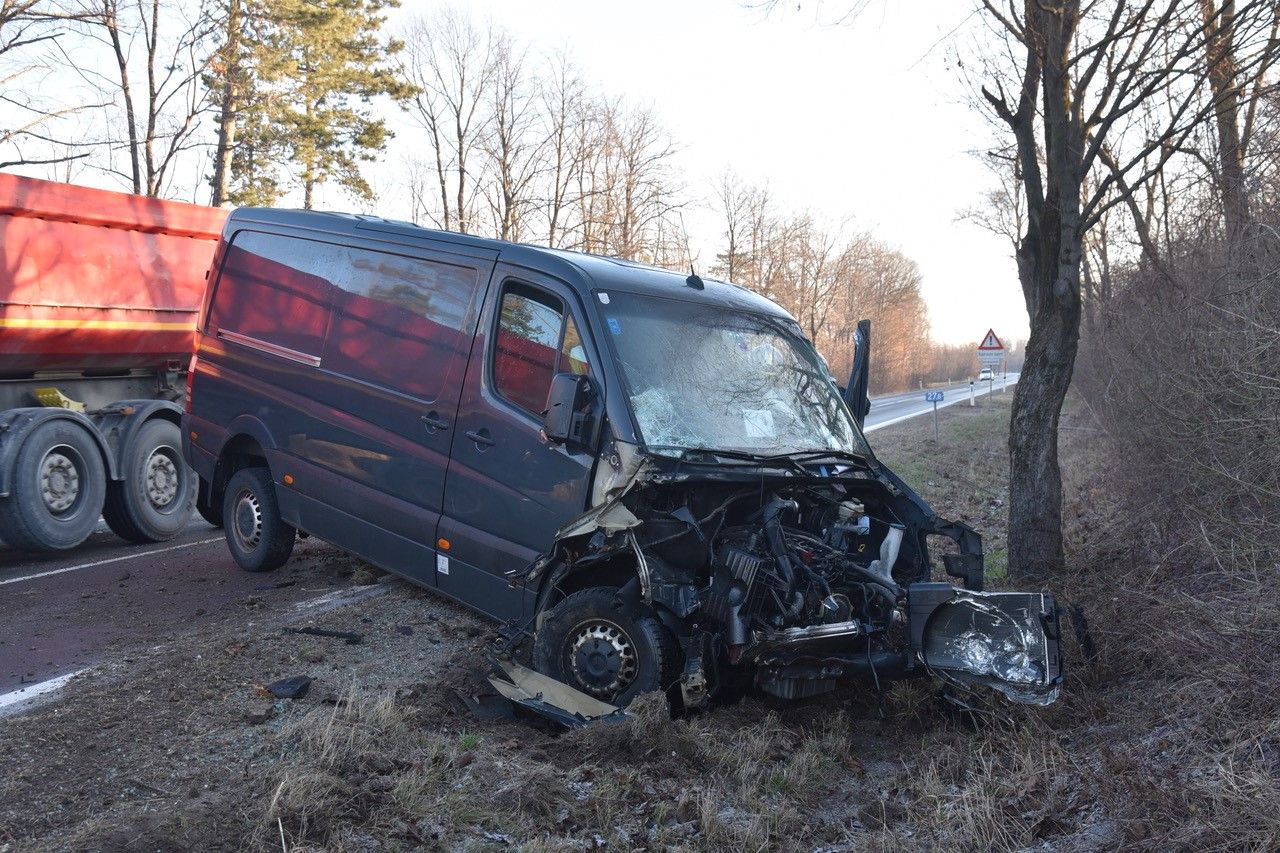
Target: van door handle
[481,437]
[433,422]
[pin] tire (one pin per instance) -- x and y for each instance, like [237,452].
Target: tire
[59,486]
[153,501]
[605,646]
[259,539]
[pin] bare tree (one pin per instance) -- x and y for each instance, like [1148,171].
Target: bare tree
[29,30]
[449,61]
[1075,80]
[514,149]
[160,113]
[563,112]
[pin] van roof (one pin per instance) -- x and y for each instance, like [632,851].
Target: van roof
[583,271]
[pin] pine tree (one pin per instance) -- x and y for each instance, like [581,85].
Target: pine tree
[306,72]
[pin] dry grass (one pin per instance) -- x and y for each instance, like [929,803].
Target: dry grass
[1165,738]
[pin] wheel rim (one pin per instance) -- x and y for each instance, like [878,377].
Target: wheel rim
[60,475]
[247,522]
[603,658]
[162,478]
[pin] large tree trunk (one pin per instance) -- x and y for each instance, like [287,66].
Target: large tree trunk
[1035,481]
[1049,258]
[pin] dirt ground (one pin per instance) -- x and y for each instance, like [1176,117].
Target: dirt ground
[174,746]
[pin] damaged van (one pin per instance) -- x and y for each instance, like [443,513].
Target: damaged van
[651,474]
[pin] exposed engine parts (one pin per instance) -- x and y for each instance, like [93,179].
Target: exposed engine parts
[798,582]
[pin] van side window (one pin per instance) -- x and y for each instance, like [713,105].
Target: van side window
[273,290]
[399,322]
[534,340]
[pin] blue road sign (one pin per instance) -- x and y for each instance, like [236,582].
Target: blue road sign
[933,396]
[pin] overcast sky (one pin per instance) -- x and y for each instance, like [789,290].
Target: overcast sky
[861,119]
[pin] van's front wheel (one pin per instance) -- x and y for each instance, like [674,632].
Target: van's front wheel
[606,646]
[258,538]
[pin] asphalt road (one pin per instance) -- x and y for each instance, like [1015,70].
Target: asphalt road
[892,408]
[60,614]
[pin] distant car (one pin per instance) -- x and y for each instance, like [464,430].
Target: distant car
[986,374]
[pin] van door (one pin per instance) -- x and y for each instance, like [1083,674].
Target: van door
[391,371]
[508,490]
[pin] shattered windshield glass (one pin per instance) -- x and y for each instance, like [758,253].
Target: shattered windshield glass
[708,377]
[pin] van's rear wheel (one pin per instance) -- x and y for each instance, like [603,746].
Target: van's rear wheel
[608,647]
[259,539]
[153,501]
[57,491]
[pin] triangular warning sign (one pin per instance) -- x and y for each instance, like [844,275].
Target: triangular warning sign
[991,341]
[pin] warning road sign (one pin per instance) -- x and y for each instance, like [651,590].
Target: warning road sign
[990,341]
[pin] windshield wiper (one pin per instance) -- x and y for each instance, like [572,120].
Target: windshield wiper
[687,454]
[815,455]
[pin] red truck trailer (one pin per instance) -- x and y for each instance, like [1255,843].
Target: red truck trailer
[99,293]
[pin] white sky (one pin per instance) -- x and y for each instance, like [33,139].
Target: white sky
[859,120]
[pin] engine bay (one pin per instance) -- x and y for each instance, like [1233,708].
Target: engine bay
[798,576]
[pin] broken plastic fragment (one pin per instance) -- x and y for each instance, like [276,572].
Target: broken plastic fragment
[551,699]
[289,688]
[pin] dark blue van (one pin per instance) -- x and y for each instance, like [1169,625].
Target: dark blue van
[650,473]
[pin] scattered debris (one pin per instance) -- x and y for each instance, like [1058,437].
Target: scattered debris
[552,700]
[352,638]
[288,688]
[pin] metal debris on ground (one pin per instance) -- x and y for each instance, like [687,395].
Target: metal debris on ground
[352,638]
[551,699]
[295,687]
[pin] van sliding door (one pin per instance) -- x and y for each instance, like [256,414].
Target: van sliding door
[402,319]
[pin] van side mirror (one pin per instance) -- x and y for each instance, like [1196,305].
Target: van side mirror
[570,416]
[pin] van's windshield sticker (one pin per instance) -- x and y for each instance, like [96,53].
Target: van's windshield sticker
[614,325]
[604,298]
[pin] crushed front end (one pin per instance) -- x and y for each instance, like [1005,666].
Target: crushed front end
[795,573]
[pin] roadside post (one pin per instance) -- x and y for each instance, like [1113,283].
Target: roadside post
[935,397]
[973,397]
[991,354]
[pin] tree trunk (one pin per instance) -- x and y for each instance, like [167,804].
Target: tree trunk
[1035,481]
[112,23]
[1049,259]
[1221,61]
[225,150]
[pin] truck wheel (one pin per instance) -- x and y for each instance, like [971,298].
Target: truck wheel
[58,489]
[258,537]
[153,501]
[607,647]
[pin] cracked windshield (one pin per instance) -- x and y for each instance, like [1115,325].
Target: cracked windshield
[703,377]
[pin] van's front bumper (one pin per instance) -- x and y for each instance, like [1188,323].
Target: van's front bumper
[1007,641]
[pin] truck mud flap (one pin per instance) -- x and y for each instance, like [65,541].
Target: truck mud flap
[1007,641]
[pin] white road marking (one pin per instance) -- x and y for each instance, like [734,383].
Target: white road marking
[33,691]
[132,556]
[925,411]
